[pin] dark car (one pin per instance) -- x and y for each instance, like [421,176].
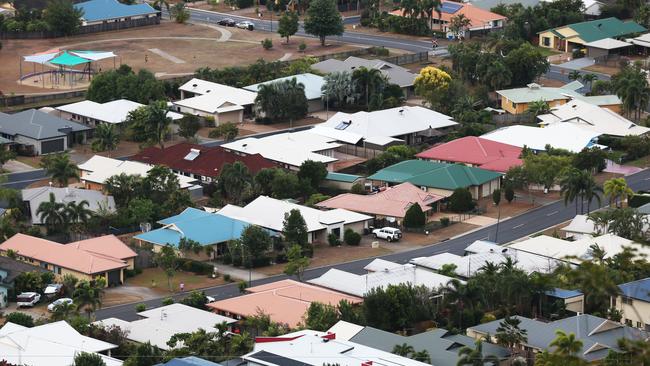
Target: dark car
[227,22]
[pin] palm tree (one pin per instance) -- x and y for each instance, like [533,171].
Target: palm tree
[106,138]
[265,101]
[78,214]
[617,190]
[422,356]
[338,89]
[510,335]
[61,168]
[588,79]
[159,122]
[63,311]
[601,221]
[571,186]
[88,295]
[179,12]
[52,214]
[538,108]
[590,190]
[123,188]
[403,349]
[474,356]
[566,344]
[459,23]
[631,85]
[367,82]
[575,75]
[497,75]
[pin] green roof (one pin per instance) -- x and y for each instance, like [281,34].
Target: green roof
[595,30]
[342,177]
[435,175]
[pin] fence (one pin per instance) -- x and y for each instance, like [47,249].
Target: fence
[93,28]
[507,119]
[410,58]
[14,100]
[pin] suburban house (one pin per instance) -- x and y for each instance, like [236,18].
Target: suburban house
[602,49]
[199,162]
[96,170]
[33,197]
[285,301]
[50,344]
[573,300]
[381,274]
[222,102]
[103,257]
[517,100]
[112,11]
[591,7]
[92,113]
[269,213]
[395,74]
[369,133]
[208,229]
[313,348]
[581,226]
[481,21]
[592,118]
[342,181]
[389,204]
[577,35]
[9,270]
[475,152]
[188,361]
[37,133]
[633,301]
[158,325]
[313,85]
[559,136]
[289,150]
[441,345]
[598,336]
[439,178]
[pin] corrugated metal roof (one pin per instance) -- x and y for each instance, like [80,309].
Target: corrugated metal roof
[96,10]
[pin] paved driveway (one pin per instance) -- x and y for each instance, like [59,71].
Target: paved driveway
[578,63]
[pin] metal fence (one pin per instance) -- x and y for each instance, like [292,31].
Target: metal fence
[14,100]
[94,28]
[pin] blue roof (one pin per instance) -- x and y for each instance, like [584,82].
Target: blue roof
[206,230]
[189,361]
[637,290]
[187,214]
[562,293]
[97,10]
[342,177]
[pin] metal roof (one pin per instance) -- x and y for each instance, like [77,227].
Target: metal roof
[639,290]
[37,125]
[395,74]
[313,84]
[96,10]
[342,177]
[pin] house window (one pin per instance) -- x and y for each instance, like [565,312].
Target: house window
[626,300]
[514,105]
[639,324]
[628,322]
[546,41]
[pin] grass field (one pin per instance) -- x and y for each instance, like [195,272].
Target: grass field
[155,279]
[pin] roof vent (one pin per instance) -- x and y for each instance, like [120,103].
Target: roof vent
[194,85]
[207,91]
[401,111]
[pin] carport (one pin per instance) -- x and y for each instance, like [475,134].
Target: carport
[604,49]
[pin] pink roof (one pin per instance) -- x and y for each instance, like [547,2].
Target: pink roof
[477,16]
[485,154]
[393,201]
[62,255]
[284,301]
[108,245]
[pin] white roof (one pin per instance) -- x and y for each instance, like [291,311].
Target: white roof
[313,84]
[558,135]
[607,43]
[381,265]
[359,285]
[209,103]
[95,199]
[308,347]
[642,40]
[592,118]
[383,126]
[115,111]
[345,330]
[581,224]
[99,168]
[52,344]
[219,92]
[580,249]
[291,148]
[269,213]
[160,324]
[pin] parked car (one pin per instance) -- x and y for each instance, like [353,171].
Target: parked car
[53,290]
[59,302]
[209,299]
[227,22]
[28,299]
[388,233]
[246,25]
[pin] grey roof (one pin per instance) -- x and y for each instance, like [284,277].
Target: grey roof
[95,199]
[14,268]
[442,346]
[37,125]
[489,4]
[598,335]
[395,74]
[645,209]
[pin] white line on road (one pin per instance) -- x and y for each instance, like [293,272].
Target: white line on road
[518,226]
[552,213]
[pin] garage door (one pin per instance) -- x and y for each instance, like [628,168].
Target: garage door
[52,146]
[114,278]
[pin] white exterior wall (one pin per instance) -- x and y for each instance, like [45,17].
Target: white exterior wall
[635,314]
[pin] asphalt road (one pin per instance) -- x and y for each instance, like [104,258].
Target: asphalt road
[509,230]
[23,179]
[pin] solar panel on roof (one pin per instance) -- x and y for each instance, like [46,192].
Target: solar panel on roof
[343,125]
[193,154]
[450,8]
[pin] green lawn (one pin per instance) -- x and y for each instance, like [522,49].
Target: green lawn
[547,51]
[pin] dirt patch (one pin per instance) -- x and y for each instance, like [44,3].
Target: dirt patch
[155,280]
[603,69]
[127,294]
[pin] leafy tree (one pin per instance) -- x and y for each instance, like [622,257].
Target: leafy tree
[188,126]
[106,138]
[316,198]
[123,188]
[88,359]
[323,19]
[458,24]
[320,316]
[627,223]
[88,295]
[19,318]
[142,87]
[179,12]
[297,263]
[617,190]
[397,307]
[195,299]
[313,171]
[414,217]
[567,347]
[60,168]
[264,179]
[6,155]
[144,355]
[285,184]
[461,200]
[369,85]
[590,159]
[294,228]
[167,260]
[226,130]
[61,16]
[338,89]
[431,83]
[141,210]
[526,64]
[64,311]
[288,25]
[474,356]
[255,242]
[351,237]
[544,169]
[234,181]
[496,196]
[186,245]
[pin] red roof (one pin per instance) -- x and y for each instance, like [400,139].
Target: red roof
[208,163]
[485,154]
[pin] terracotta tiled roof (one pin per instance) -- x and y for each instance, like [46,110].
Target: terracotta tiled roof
[208,162]
[108,245]
[477,16]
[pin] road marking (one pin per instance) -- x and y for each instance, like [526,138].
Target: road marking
[552,213]
[518,226]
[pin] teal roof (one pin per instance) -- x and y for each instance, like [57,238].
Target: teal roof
[595,30]
[187,214]
[67,59]
[342,177]
[435,175]
[96,10]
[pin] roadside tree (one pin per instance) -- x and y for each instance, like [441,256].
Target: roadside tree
[288,25]
[323,19]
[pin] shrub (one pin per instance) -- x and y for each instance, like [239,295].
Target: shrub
[333,240]
[226,277]
[242,285]
[195,299]
[167,301]
[226,130]
[302,47]
[444,221]
[351,237]
[21,319]
[267,43]
[379,51]
[461,200]
[129,273]
[140,308]
[358,188]
[414,217]
[509,193]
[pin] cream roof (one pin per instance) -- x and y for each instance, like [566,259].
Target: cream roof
[558,135]
[116,111]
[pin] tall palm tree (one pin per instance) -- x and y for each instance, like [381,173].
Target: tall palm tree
[571,186]
[566,344]
[459,23]
[601,221]
[474,356]
[158,4]
[617,190]
[158,122]
[51,213]
[631,85]
[88,295]
[61,168]
[403,349]
[538,108]
[575,75]
[265,101]
[589,79]
[77,214]
[422,356]
[590,190]
[338,89]
[106,138]
[123,188]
